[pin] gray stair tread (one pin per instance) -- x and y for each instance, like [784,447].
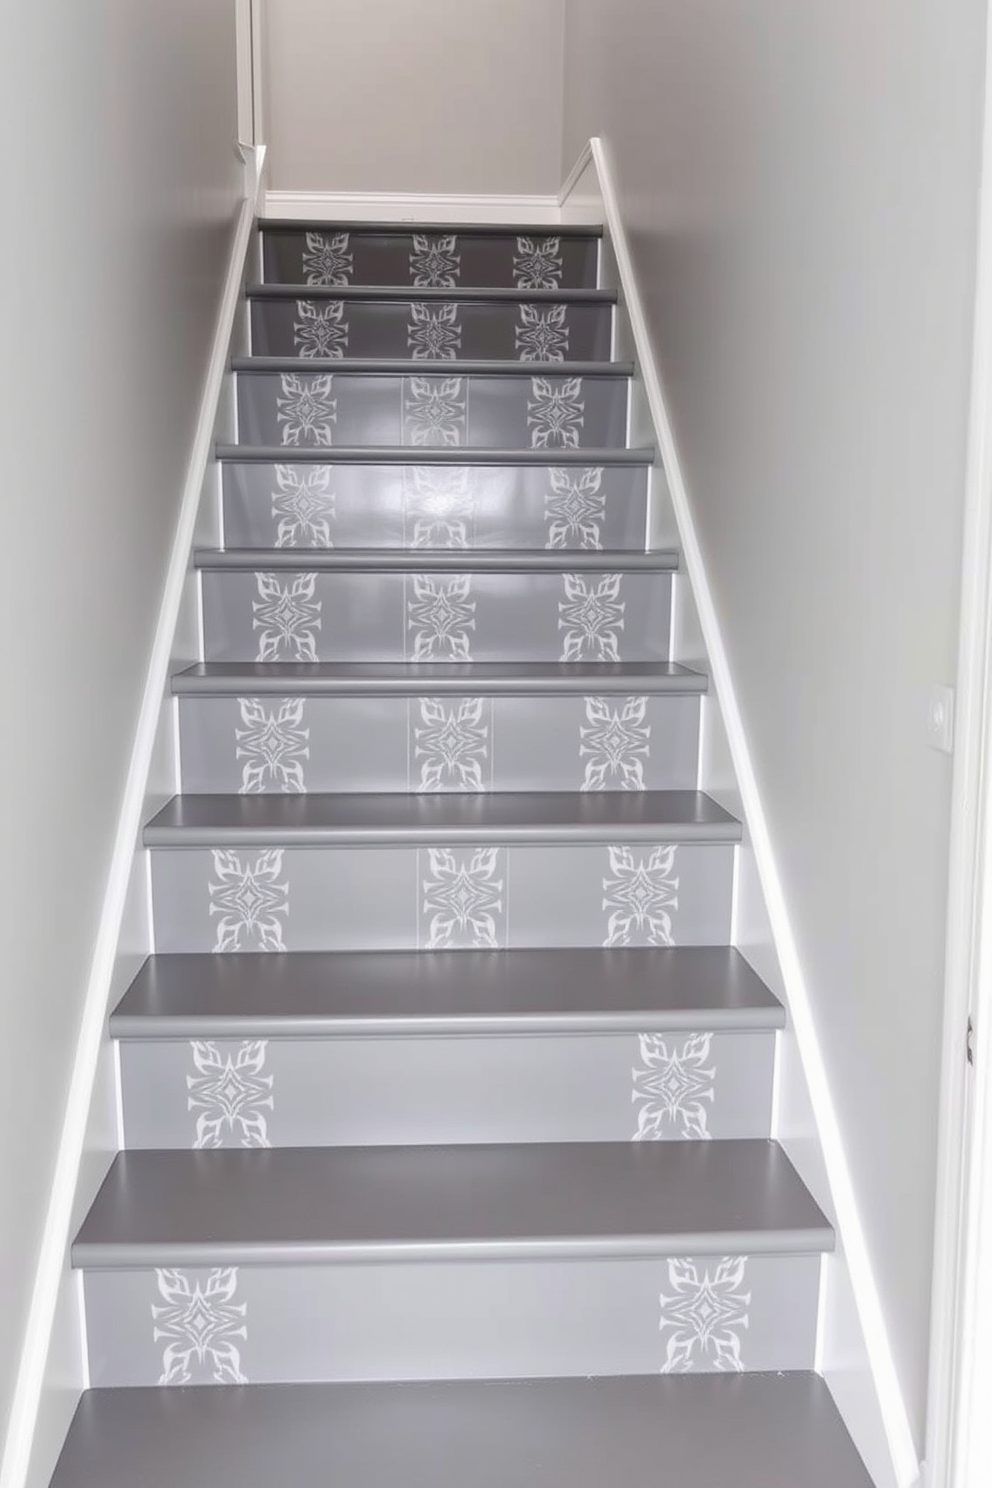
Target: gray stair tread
[399,454]
[406,367]
[394,229]
[442,993]
[522,817]
[406,293]
[469,678]
[430,560]
[313,1205]
[674,1431]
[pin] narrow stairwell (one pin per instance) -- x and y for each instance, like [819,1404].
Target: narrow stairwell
[446,1099]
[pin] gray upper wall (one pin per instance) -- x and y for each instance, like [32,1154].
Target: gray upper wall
[122,184]
[800,185]
[440,96]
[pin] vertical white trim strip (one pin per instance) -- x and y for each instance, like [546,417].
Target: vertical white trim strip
[118,1095]
[821,1315]
[84,1338]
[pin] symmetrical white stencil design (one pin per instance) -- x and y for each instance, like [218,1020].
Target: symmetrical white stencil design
[537,263]
[321,330]
[273,744]
[287,617]
[306,410]
[438,505]
[434,411]
[435,262]
[434,332]
[451,743]
[640,892]
[674,1086]
[327,259]
[574,508]
[542,335]
[705,1315]
[230,1094]
[200,1325]
[614,742]
[440,615]
[304,505]
[556,412]
[250,899]
[591,615]
[463,895]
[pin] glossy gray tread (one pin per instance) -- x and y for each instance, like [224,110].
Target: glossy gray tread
[442,993]
[361,366]
[476,678]
[493,817]
[321,1205]
[404,294]
[401,454]
[407,229]
[673,1431]
[448,560]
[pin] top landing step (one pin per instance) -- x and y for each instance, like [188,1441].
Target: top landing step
[407,229]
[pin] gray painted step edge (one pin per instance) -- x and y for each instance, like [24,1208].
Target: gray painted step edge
[401,454]
[406,367]
[712,1430]
[446,993]
[411,678]
[404,294]
[534,818]
[535,1201]
[407,229]
[437,560]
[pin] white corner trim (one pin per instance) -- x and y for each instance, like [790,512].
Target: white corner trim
[576,173]
[58,1219]
[392,206]
[851,1231]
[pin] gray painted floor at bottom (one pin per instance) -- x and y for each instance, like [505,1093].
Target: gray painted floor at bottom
[682,1431]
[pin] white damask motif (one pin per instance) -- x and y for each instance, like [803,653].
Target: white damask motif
[641,895]
[556,413]
[306,409]
[438,505]
[707,1312]
[463,896]
[452,743]
[542,335]
[327,260]
[321,330]
[674,1086]
[434,411]
[287,617]
[435,262]
[273,745]
[615,744]
[305,506]
[537,263]
[574,508]
[231,1094]
[200,1325]
[440,615]
[434,332]
[591,614]
[248,898]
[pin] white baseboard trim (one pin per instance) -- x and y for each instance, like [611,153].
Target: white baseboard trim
[896,1422]
[396,206]
[56,1234]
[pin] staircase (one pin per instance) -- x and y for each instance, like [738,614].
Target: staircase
[446,1099]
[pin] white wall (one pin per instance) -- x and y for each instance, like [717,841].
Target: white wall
[799,184]
[437,96]
[121,183]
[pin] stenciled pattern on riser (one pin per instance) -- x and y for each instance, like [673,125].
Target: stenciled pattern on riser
[263,745]
[316,410]
[430,260]
[435,506]
[432,330]
[230,1325]
[295,615]
[300,1092]
[441,898]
